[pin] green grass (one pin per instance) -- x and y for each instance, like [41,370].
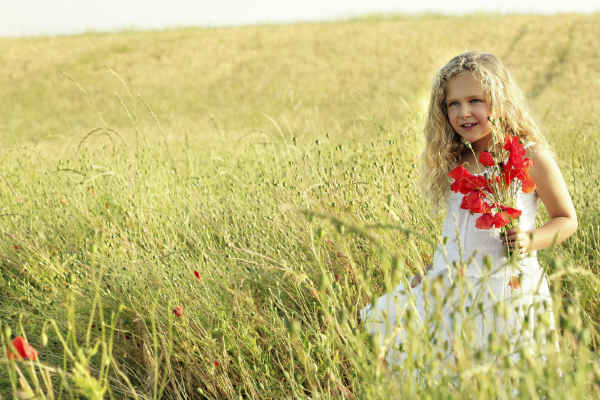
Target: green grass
[132,160]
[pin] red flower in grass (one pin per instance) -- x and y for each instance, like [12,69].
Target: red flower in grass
[486,158]
[16,246]
[197,274]
[515,282]
[25,351]
[178,311]
[216,363]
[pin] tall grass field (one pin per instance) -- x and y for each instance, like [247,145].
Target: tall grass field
[200,213]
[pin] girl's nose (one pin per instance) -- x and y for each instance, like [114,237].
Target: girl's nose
[465,110]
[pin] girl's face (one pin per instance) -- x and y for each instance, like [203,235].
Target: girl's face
[468,110]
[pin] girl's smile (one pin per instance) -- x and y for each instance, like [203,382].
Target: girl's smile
[468,109]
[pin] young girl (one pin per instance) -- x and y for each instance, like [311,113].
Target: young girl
[468,93]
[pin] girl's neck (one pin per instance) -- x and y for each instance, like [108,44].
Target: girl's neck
[483,144]
[470,158]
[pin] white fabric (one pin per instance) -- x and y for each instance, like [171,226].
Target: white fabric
[386,317]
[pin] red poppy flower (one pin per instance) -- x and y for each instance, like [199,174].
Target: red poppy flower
[486,221]
[457,187]
[459,172]
[528,184]
[480,183]
[513,145]
[474,202]
[16,246]
[530,163]
[501,219]
[523,167]
[25,350]
[469,183]
[517,165]
[489,221]
[178,311]
[216,363]
[515,282]
[197,274]
[511,212]
[486,158]
[520,168]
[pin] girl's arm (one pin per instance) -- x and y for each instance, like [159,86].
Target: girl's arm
[551,188]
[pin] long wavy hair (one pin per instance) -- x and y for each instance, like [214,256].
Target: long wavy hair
[444,148]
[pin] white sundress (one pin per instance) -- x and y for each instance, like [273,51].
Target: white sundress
[487,287]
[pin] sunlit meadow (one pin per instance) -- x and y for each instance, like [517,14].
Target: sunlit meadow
[201,213]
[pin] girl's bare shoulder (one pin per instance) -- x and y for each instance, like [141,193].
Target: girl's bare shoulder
[543,159]
[550,184]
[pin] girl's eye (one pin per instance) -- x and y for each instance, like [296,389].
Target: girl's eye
[476,101]
[452,104]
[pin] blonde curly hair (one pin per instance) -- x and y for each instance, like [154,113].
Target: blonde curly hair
[444,149]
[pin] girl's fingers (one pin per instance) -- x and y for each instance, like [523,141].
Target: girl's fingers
[520,244]
[511,239]
[516,236]
[517,242]
[512,232]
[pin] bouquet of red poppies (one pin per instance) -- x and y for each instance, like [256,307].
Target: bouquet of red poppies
[493,194]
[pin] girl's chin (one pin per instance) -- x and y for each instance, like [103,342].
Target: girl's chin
[477,140]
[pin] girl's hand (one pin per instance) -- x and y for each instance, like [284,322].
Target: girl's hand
[517,240]
[418,278]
